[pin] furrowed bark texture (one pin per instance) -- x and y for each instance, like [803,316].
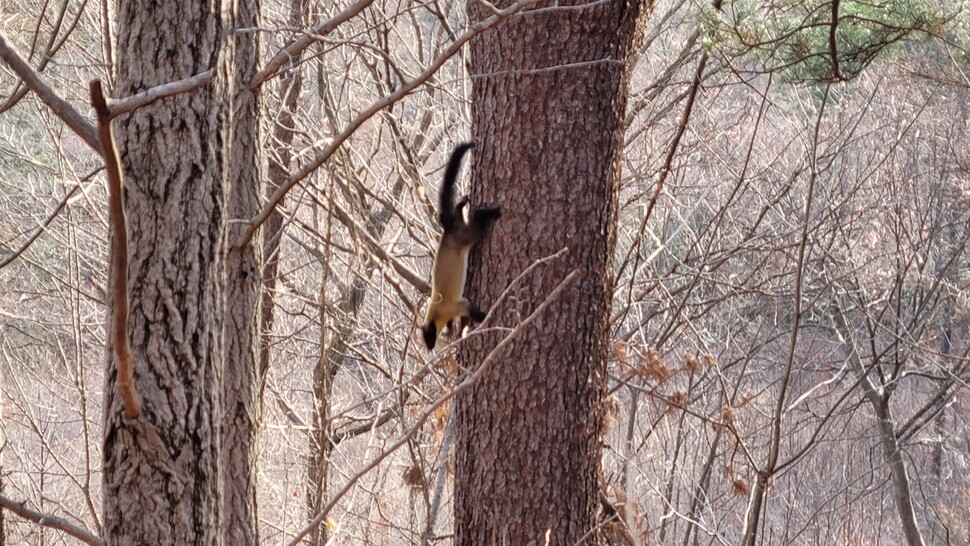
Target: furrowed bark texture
[242,386]
[161,480]
[549,93]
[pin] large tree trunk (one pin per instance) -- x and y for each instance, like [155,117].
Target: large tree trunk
[242,387]
[549,92]
[161,471]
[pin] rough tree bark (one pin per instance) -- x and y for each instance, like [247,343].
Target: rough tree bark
[242,386]
[161,481]
[549,93]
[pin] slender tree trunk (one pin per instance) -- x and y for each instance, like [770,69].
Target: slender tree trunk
[878,398]
[336,343]
[242,392]
[278,168]
[549,92]
[902,492]
[699,498]
[938,526]
[336,346]
[321,446]
[284,131]
[161,472]
[950,216]
[3,445]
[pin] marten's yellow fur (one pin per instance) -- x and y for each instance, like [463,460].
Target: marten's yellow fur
[447,301]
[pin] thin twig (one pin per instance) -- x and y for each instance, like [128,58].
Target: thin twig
[50,218]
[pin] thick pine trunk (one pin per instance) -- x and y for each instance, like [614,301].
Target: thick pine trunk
[549,92]
[161,471]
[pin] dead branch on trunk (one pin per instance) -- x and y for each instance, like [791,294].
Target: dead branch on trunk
[119,253]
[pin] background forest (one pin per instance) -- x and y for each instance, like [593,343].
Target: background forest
[788,343]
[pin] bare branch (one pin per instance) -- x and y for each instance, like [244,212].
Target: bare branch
[375,247]
[129,104]
[49,521]
[43,226]
[388,100]
[59,106]
[668,160]
[292,50]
